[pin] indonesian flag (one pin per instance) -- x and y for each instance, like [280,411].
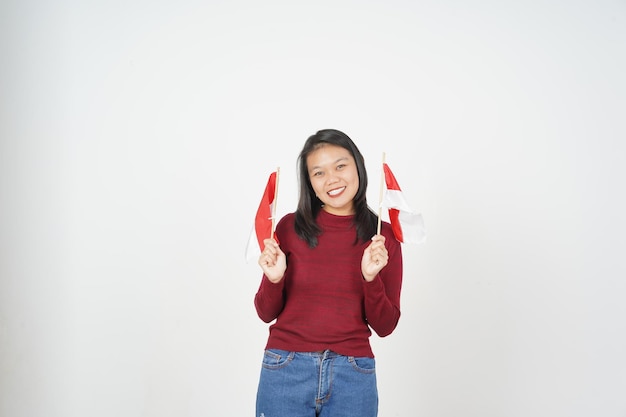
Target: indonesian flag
[408,227]
[263,221]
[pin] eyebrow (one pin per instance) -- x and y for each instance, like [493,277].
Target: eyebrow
[343,158]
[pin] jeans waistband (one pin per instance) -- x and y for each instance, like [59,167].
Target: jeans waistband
[327,353]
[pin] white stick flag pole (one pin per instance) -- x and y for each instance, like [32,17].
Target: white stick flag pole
[380,197]
[275,203]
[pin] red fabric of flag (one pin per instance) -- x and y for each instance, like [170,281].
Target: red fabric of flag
[263,220]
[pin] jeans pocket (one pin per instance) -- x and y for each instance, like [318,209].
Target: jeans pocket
[364,365]
[275,358]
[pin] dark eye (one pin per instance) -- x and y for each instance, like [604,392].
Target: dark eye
[341,166]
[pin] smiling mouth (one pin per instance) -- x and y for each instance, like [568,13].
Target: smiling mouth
[336,191]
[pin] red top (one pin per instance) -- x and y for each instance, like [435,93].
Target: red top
[323,301]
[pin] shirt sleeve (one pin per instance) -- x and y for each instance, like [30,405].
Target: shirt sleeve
[382,295]
[269,300]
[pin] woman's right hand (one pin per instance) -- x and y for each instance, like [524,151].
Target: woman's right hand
[273,261]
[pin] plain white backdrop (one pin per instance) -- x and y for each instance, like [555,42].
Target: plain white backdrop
[136,140]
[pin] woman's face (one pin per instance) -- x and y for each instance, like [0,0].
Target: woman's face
[334,178]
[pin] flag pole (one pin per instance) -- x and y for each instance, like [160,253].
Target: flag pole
[275,203]
[380,197]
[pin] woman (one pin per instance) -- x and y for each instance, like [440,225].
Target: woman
[328,279]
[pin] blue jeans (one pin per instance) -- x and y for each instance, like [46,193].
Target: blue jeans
[316,384]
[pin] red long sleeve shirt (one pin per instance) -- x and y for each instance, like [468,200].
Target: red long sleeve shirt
[323,301]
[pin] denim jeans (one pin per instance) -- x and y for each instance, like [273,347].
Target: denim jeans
[316,384]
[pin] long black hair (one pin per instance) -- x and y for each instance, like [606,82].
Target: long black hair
[365,220]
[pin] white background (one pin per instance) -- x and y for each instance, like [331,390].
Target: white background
[136,140]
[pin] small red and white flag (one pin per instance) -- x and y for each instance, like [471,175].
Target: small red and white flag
[408,227]
[264,219]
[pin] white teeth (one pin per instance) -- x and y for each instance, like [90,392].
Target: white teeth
[336,191]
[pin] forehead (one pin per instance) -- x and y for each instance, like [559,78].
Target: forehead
[327,154]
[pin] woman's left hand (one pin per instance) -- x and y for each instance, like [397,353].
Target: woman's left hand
[375,257]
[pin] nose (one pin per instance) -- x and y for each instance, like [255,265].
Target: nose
[332,178]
